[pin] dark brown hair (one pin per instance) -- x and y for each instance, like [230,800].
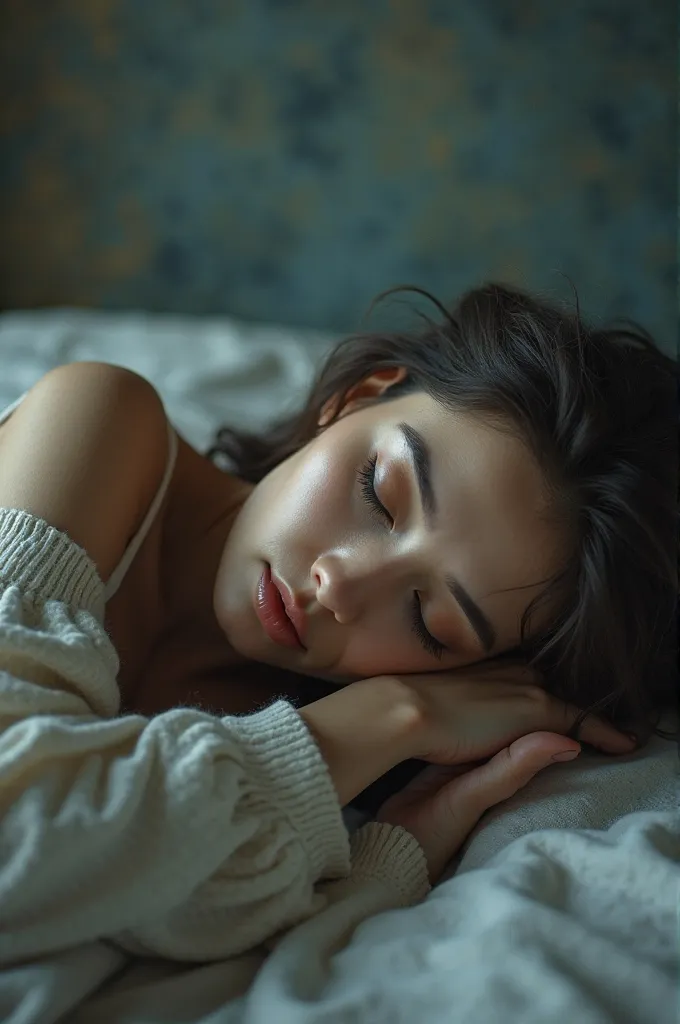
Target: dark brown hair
[598,409]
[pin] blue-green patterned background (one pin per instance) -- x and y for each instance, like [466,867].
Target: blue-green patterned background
[285,160]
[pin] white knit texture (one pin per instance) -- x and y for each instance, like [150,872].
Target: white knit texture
[186,835]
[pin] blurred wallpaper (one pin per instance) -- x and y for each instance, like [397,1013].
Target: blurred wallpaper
[286,160]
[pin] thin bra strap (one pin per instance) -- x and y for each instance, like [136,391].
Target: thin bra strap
[116,577]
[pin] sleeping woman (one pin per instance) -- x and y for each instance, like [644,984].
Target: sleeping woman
[462,552]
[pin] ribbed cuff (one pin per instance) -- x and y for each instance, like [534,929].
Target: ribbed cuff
[46,564]
[283,752]
[392,855]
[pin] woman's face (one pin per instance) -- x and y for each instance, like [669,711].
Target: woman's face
[408,538]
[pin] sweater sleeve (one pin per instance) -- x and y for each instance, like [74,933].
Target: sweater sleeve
[187,835]
[389,872]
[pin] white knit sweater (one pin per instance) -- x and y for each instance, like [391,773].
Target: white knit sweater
[185,835]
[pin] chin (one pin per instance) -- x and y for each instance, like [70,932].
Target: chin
[237,636]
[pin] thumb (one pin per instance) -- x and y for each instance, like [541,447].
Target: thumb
[470,795]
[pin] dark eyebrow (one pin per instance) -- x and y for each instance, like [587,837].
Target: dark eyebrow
[474,615]
[422,463]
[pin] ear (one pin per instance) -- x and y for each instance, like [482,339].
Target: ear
[366,391]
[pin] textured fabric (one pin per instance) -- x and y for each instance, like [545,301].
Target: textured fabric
[561,925]
[186,835]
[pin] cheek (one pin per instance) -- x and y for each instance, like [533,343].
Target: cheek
[378,650]
[313,497]
[387,654]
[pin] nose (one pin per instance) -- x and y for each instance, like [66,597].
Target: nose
[348,582]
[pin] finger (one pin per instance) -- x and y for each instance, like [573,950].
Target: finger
[433,777]
[602,734]
[425,784]
[466,798]
[593,730]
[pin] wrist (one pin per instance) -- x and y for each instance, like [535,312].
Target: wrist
[402,715]
[363,730]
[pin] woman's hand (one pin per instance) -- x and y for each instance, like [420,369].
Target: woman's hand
[362,730]
[473,712]
[441,805]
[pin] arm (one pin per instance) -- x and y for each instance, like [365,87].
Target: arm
[86,450]
[363,730]
[185,835]
[439,808]
[95,439]
[388,872]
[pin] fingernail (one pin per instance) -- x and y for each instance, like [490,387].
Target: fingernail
[631,736]
[566,755]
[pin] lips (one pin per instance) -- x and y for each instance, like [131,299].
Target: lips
[272,612]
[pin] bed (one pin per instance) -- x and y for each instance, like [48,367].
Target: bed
[562,905]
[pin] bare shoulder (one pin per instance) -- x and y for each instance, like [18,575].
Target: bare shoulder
[86,450]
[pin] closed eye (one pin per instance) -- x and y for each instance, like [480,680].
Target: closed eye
[433,646]
[367,482]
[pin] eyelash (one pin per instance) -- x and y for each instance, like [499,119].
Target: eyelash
[366,480]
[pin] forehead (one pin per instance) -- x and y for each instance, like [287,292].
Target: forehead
[492,531]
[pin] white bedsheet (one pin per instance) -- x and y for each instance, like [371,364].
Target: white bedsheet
[563,905]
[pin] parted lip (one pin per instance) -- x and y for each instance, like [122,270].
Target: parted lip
[271,611]
[294,611]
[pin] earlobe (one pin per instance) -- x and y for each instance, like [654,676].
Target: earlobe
[370,389]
